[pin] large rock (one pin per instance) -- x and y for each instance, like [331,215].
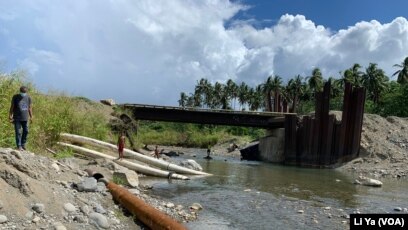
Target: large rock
[368,181]
[191,164]
[89,184]
[98,220]
[3,219]
[128,177]
[109,102]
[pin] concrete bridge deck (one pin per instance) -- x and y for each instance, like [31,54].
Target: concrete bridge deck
[207,116]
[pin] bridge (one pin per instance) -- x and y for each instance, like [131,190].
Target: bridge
[267,120]
[310,141]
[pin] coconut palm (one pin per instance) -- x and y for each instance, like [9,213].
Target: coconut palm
[190,101]
[266,90]
[295,88]
[203,92]
[276,87]
[375,81]
[243,92]
[232,90]
[353,75]
[272,86]
[402,73]
[336,87]
[256,96]
[316,81]
[217,94]
[183,99]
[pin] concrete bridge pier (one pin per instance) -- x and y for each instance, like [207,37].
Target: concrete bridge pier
[272,146]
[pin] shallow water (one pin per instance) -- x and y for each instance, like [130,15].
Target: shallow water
[275,196]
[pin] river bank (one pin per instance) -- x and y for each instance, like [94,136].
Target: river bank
[384,148]
[37,192]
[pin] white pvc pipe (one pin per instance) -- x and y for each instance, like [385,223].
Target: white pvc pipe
[137,156]
[147,170]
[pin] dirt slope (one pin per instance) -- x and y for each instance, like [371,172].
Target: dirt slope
[384,147]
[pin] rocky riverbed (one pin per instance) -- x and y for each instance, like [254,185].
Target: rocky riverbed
[37,192]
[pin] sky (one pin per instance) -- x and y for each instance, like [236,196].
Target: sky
[148,51]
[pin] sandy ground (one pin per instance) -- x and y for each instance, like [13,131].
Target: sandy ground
[384,148]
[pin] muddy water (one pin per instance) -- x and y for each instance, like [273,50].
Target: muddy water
[254,195]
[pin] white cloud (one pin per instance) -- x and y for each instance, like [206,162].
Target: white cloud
[148,51]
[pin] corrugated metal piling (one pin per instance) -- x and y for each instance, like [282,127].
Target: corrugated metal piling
[322,141]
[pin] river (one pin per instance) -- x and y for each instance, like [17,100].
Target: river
[256,195]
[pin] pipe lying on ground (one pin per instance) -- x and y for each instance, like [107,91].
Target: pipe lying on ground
[140,157]
[144,169]
[150,216]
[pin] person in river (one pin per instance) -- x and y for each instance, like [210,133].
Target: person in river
[121,145]
[208,154]
[19,114]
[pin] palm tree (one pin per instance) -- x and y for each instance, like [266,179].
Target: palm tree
[375,81]
[203,90]
[243,92]
[316,81]
[183,99]
[336,87]
[190,101]
[198,101]
[402,73]
[353,75]
[276,87]
[272,85]
[295,89]
[232,90]
[217,94]
[255,98]
[266,90]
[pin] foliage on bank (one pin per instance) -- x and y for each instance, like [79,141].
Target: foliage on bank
[53,113]
[192,135]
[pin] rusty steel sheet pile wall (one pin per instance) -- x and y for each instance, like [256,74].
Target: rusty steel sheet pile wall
[322,141]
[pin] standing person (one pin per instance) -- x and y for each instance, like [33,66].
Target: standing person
[208,154]
[20,112]
[121,145]
[156,152]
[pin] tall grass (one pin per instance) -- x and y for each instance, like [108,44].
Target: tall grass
[53,114]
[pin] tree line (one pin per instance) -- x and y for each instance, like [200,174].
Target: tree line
[384,97]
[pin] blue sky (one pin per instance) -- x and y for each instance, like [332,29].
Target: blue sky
[334,14]
[148,51]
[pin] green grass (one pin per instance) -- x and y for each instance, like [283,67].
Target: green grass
[64,153]
[53,113]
